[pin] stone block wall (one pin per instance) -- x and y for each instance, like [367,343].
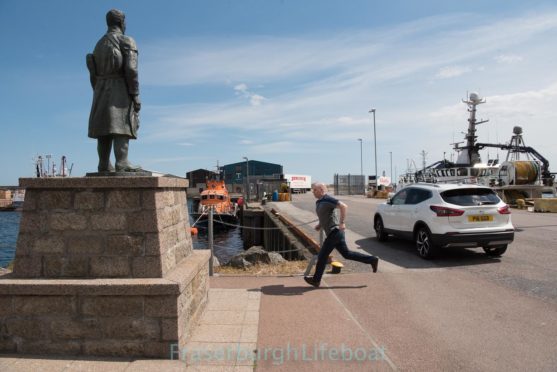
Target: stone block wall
[104,267]
[92,231]
[82,318]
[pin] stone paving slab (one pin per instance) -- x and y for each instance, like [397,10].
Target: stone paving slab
[27,364]
[225,317]
[217,333]
[41,363]
[227,332]
[34,364]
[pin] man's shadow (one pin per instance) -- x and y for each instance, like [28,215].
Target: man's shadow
[281,290]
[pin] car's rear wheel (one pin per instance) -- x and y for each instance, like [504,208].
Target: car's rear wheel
[380,230]
[424,245]
[495,251]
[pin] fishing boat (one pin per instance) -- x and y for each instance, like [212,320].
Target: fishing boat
[6,201]
[50,170]
[6,206]
[523,174]
[216,198]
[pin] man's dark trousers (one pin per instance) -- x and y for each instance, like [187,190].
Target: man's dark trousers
[336,239]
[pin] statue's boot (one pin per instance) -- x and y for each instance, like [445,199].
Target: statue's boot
[121,144]
[104,145]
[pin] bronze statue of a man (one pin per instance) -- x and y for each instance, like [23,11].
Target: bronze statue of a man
[114,117]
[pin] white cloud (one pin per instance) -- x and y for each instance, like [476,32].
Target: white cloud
[452,71]
[254,99]
[508,58]
[348,120]
[241,88]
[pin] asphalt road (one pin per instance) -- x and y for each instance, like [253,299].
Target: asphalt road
[463,311]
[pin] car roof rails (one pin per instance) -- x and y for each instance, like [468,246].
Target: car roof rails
[427,184]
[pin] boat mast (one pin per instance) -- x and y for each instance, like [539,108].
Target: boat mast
[469,155]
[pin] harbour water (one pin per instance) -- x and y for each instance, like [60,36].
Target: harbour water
[226,243]
[9,228]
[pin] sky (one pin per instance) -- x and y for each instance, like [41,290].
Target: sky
[282,81]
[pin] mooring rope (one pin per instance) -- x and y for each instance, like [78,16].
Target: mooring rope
[201,215]
[258,228]
[287,251]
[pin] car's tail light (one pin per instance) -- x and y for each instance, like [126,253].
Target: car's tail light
[446,212]
[504,210]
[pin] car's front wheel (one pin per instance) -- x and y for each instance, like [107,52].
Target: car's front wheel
[380,230]
[424,245]
[495,251]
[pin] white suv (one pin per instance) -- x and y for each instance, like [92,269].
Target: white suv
[446,215]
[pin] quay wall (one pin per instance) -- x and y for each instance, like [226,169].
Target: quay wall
[265,228]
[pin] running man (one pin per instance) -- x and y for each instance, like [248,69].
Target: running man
[334,229]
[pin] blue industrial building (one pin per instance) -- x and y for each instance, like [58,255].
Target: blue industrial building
[236,174]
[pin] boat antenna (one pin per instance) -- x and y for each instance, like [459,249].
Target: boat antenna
[40,167]
[469,153]
[497,138]
[423,154]
[48,156]
[63,166]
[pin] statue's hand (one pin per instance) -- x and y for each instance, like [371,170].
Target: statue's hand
[136,103]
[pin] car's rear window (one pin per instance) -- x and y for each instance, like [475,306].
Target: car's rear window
[472,196]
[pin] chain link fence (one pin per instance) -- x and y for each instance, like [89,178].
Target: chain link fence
[349,184]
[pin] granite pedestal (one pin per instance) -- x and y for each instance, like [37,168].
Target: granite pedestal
[104,266]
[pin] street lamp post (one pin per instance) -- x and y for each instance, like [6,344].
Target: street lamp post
[374,146]
[362,167]
[247,178]
[361,159]
[391,156]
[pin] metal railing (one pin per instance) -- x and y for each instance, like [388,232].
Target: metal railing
[210,233]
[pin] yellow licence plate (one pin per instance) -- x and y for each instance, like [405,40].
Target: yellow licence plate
[480,218]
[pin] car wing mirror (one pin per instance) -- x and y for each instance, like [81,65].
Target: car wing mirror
[389,201]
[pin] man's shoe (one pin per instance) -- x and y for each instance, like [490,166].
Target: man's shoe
[374,264]
[311,281]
